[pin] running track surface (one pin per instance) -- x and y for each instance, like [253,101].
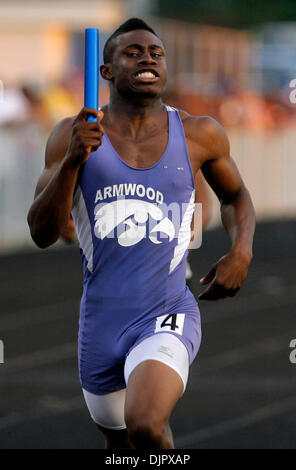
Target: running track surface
[242,386]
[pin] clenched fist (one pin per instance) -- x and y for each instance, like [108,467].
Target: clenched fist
[86,137]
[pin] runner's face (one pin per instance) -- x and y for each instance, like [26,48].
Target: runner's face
[139,65]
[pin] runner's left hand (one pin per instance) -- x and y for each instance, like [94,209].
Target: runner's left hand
[226,276]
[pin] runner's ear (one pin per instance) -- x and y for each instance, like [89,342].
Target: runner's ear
[106,71]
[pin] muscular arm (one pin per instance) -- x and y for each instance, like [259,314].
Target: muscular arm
[68,146]
[203,197]
[237,212]
[221,173]
[51,208]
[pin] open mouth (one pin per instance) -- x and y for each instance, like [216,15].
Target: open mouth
[146,76]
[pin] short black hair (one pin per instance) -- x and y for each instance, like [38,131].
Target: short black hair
[129,25]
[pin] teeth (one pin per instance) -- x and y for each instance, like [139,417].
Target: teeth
[146,75]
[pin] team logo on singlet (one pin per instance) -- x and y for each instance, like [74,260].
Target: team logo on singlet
[132,220]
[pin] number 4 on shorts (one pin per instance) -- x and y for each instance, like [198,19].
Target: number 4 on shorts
[174,322]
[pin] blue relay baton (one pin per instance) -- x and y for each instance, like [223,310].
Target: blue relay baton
[91,70]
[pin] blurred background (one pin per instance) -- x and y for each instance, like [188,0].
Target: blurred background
[234,61]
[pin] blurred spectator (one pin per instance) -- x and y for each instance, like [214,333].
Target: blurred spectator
[235,108]
[58,102]
[15,107]
[231,106]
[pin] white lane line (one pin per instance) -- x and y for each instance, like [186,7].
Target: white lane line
[39,358]
[226,359]
[62,406]
[237,307]
[243,354]
[40,315]
[243,421]
[45,313]
[244,384]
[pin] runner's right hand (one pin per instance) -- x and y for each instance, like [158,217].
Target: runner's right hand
[86,136]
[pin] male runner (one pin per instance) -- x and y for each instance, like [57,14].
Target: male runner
[139,323]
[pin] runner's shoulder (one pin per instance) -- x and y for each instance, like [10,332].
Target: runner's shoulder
[205,131]
[61,131]
[58,141]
